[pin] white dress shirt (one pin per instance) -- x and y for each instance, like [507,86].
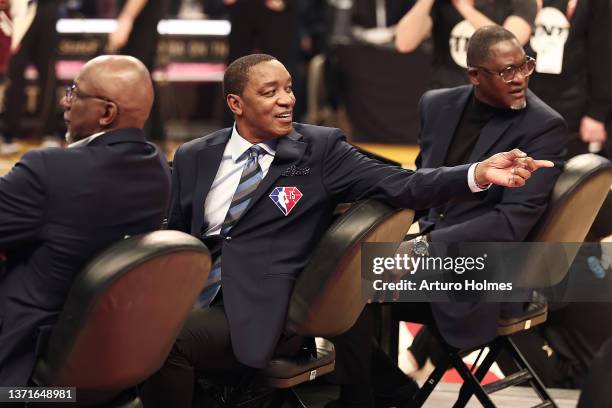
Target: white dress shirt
[226,181]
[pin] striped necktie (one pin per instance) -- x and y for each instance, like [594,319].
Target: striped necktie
[249,180]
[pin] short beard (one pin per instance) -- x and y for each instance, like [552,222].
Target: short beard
[519,107]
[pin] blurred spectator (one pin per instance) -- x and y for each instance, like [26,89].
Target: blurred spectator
[314,19]
[137,35]
[375,21]
[572,43]
[452,23]
[367,77]
[6,31]
[34,41]
[268,26]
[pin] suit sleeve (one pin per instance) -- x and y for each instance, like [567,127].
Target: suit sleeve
[520,208]
[419,159]
[176,217]
[23,199]
[349,176]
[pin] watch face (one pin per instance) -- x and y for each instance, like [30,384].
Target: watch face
[420,248]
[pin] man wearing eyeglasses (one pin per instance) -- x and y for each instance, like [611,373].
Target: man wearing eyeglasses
[461,125]
[59,207]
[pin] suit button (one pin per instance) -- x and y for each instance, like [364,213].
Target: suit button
[228,239]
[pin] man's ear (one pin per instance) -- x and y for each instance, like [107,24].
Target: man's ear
[235,103]
[473,76]
[111,111]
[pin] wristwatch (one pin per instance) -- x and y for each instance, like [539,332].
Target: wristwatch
[421,246]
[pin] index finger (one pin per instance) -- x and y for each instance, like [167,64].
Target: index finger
[542,163]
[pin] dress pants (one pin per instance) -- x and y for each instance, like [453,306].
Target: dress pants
[202,349]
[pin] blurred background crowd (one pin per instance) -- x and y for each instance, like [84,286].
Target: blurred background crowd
[361,65]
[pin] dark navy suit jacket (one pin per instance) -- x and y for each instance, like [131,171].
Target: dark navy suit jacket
[503,214]
[266,250]
[58,208]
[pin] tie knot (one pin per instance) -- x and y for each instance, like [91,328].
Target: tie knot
[255,151]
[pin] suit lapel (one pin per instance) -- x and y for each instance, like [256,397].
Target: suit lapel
[208,162]
[490,135]
[289,150]
[444,128]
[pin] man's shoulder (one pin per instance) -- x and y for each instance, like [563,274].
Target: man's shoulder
[446,93]
[211,139]
[50,155]
[537,109]
[317,133]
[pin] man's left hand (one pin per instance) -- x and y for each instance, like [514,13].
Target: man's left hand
[508,169]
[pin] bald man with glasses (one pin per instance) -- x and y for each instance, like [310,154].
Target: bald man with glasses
[61,206]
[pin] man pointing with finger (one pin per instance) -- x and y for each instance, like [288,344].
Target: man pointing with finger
[226,191]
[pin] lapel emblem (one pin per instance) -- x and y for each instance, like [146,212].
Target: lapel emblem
[296,171]
[285,198]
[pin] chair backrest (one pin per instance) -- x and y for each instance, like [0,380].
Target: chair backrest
[576,198]
[327,297]
[123,313]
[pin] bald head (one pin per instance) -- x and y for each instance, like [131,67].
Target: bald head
[111,92]
[123,80]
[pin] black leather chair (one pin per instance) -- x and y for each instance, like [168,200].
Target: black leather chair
[575,201]
[122,316]
[327,298]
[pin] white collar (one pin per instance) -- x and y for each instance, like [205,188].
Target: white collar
[85,141]
[237,145]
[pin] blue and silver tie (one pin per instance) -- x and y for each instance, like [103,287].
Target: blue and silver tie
[249,180]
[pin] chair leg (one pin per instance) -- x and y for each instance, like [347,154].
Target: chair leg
[535,382]
[295,399]
[470,381]
[465,393]
[389,331]
[433,380]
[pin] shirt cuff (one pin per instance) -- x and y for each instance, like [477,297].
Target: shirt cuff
[474,188]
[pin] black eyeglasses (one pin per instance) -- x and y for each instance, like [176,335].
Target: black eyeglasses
[509,73]
[72,91]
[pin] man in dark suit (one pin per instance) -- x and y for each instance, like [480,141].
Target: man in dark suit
[59,207]
[266,226]
[461,125]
